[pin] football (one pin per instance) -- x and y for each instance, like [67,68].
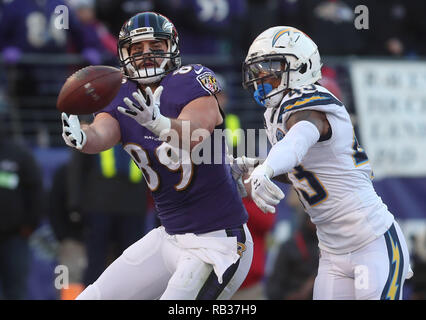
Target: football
[89,90]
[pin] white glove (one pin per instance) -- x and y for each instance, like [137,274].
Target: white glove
[239,167]
[264,192]
[243,165]
[71,131]
[147,111]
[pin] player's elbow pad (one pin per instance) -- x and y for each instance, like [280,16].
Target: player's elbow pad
[290,151]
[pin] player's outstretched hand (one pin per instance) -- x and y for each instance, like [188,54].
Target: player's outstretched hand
[146,111]
[239,167]
[264,192]
[243,165]
[71,131]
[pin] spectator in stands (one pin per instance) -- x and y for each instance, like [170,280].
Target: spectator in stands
[108,191]
[113,13]
[386,34]
[30,29]
[397,28]
[65,224]
[35,26]
[106,48]
[336,80]
[329,81]
[260,14]
[21,203]
[415,28]
[210,28]
[418,282]
[295,267]
[259,224]
[320,18]
[67,227]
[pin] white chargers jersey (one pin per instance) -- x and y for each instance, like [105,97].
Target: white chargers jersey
[334,178]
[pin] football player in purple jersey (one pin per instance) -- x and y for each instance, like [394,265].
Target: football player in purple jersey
[203,249]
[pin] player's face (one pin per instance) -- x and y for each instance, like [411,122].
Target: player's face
[269,71]
[273,80]
[148,48]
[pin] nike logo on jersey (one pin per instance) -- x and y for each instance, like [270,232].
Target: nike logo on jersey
[199,70]
[152,138]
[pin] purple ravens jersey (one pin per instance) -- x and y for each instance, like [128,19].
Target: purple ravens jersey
[188,197]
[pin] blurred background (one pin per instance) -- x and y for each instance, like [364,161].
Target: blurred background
[53,201]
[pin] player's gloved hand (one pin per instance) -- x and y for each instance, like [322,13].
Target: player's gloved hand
[239,167]
[147,111]
[243,165]
[264,192]
[71,131]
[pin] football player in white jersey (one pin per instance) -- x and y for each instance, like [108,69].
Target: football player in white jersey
[363,251]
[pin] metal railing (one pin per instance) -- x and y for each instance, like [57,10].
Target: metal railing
[29,89]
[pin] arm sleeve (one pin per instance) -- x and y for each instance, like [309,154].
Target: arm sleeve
[290,151]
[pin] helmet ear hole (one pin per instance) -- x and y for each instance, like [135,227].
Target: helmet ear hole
[303,68]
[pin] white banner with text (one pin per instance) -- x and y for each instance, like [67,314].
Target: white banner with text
[390,100]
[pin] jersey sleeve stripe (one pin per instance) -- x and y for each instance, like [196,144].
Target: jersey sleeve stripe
[307,100]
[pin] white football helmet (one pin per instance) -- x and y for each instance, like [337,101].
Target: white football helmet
[283,53]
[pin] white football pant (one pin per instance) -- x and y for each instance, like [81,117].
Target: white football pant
[376,271]
[155,268]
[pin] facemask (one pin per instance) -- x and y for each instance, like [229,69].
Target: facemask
[262,91]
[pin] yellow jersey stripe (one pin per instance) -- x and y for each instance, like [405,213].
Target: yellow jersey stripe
[304,101]
[397,260]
